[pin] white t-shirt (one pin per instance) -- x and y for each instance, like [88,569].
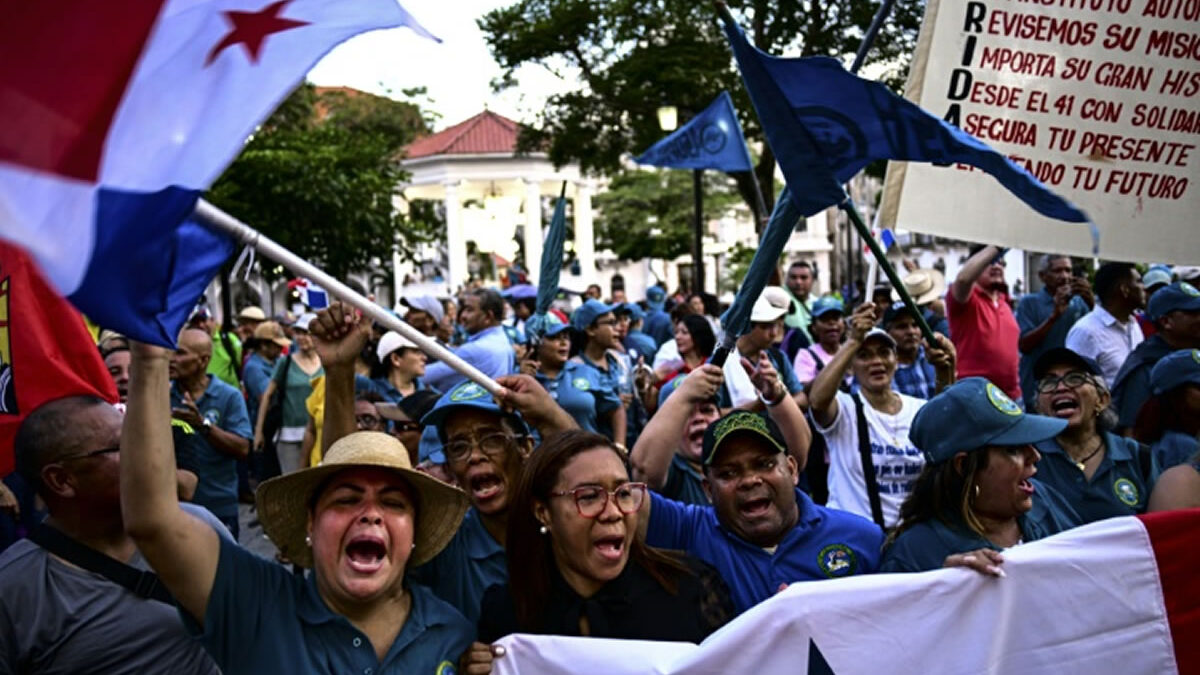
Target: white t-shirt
[897,461]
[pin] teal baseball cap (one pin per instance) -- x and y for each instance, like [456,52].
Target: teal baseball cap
[826,304]
[635,312]
[467,395]
[545,325]
[974,413]
[589,312]
[1179,296]
[1175,370]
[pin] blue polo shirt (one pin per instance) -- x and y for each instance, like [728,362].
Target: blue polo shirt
[1173,448]
[383,387]
[684,483]
[255,377]
[261,618]
[224,407]
[1032,311]
[488,350]
[1116,489]
[1131,387]
[470,564]
[583,392]
[926,545]
[824,544]
[658,326]
[640,344]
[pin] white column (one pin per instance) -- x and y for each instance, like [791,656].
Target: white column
[456,240]
[533,230]
[585,240]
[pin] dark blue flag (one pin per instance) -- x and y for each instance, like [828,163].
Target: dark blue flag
[552,253]
[805,102]
[711,140]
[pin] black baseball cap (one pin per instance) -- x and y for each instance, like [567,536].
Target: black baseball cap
[740,422]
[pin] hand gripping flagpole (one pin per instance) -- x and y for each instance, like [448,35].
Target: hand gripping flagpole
[214,217]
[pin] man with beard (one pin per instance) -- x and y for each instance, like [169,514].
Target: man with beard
[761,533]
[1110,332]
[982,324]
[690,403]
[1046,317]
[484,447]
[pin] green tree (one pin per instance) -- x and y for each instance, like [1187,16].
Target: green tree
[650,214]
[320,175]
[636,55]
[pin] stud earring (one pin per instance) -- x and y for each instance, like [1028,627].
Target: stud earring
[308,540]
[543,530]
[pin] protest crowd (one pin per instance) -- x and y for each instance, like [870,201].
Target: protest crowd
[620,486]
[353,488]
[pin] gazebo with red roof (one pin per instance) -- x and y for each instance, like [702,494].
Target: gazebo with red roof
[476,162]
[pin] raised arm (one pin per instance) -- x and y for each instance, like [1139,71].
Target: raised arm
[783,409]
[183,550]
[822,395]
[523,394]
[341,334]
[971,270]
[651,455]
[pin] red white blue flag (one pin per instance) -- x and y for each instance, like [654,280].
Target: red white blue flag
[116,115]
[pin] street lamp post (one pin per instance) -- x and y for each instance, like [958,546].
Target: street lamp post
[668,120]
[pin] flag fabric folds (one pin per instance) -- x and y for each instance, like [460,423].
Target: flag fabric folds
[46,350]
[1116,596]
[552,253]
[826,124]
[107,145]
[711,140]
[311,295]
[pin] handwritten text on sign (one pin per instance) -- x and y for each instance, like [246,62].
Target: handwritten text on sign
[1100,99]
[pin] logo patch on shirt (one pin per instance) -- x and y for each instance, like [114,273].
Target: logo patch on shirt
[1189,289]
[1126,491]
[445,668]
[837,560]
[467,391]
[581,384]
[1196,355]
[1001,401]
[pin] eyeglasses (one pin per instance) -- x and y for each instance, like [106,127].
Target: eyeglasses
[367,421]
[406,425]
[591,500]
[493,444]
[93,453]
[1073,380]
[606,322]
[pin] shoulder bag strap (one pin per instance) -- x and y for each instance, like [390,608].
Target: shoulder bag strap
[816,359]
[868,466]
[141,583]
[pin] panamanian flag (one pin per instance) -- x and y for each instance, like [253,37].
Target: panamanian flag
[117,115]
[1116,596]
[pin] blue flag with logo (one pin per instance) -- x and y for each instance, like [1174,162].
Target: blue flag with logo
[711,140]
[806,102]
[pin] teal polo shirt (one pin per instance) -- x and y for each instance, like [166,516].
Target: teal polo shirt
[926,545]
[1174,448]
[824,544]
[1116,489]
[470,564]
[684,483]
[583,392]
[261,618]
[216,473]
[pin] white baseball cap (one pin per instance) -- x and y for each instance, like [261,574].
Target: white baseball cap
[390,342]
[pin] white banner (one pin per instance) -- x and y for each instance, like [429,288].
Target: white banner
[1100,99]
[1087,601]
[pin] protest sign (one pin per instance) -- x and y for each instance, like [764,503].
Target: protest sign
[1096,98]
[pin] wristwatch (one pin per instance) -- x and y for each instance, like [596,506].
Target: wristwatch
[206,427]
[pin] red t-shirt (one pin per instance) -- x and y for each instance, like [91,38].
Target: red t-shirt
[985,333]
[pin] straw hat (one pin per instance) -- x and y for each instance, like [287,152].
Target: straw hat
[283,501]
[269,331]
[925,286]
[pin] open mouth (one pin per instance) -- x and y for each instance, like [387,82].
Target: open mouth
[366,554]
[755,508]
[610,548]
[1064,407]
[485,486]
[1026,487]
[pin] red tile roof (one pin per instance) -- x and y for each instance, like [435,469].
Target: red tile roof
[485,133]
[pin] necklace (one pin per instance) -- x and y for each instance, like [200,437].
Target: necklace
[1083,462]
